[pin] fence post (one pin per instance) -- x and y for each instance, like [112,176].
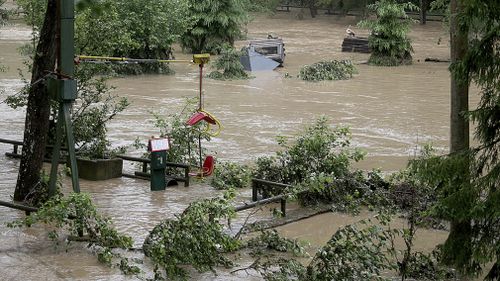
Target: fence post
[254,190]
[283,206]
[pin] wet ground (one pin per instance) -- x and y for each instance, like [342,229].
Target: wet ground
[390,111]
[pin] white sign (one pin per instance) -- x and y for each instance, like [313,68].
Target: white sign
[160,144]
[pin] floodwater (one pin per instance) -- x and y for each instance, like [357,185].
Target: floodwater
[390,111]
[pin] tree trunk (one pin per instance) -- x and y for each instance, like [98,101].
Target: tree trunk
[423,11]
[458,244]
[459,126]
[38,108]
[312,8]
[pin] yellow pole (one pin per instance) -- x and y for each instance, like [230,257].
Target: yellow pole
[81,57]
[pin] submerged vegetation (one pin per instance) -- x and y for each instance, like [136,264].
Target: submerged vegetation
[231,175]
[76,217]
[319,149]
[389,33]
[228,66]
[196,237]
[328,70]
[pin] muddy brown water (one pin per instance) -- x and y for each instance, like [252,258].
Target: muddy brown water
[390,112]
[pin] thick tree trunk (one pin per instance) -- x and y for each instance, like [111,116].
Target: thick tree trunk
[458,245]
[38,109]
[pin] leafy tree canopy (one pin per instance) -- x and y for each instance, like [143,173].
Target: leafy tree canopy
[216,22]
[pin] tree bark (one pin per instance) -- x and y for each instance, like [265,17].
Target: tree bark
[38,108]
[312,8]
[423,11]
[457,250]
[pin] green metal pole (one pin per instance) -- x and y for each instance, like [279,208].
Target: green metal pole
[67,67]
[65,91]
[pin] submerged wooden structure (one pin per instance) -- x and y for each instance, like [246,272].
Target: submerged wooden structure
[356,45]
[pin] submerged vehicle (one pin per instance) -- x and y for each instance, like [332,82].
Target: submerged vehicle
[272,48]
[266,54]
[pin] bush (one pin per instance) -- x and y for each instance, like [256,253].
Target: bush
[320,149]
[328,70]
[231,175]
[228,66]
[94,107]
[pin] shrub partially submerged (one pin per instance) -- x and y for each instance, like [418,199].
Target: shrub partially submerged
[196,237]
[320,149]
[76,215]
[328,70]
[228,66]
[231,175]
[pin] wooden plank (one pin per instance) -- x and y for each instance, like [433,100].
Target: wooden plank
[266,201]
[12,205]
[11,141]
[132,158]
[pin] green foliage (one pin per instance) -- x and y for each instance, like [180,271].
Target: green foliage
[216,23]
[427,267]
[137,29]
[353,253]
[34,11]
[389,39]
[228,66]
[283,270]
[183,138]
[346,6]
[75,214]
[328,70]
[231,175]
[4,14]
[196,238]
[268,6]
[320,149]
[345,194]
[95,107]
[475,203]
[271,240]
